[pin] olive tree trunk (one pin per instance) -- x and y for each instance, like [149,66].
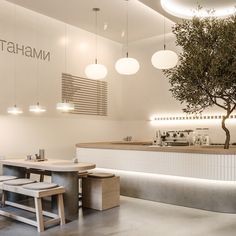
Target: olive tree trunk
[227,132]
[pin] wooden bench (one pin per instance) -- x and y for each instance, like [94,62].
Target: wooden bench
[37,191]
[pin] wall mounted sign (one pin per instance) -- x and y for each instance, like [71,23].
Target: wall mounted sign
[28,51]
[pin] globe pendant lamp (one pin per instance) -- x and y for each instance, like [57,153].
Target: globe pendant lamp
[127,65]
[96,71]
[164,59]
[65,106]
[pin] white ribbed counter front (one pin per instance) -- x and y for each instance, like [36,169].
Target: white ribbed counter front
[213,163]
[197,177]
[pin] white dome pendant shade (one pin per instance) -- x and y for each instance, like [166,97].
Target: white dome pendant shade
[65,106]
[15,110]
[37,108]
[164,59]
[127,66]
[95,70]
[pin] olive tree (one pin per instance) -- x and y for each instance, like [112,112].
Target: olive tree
[206,74]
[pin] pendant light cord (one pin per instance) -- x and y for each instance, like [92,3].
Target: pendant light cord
[127,28]
[14,77]
[66,39]
[164,33]
[65,51]
[96,36]
[37,70]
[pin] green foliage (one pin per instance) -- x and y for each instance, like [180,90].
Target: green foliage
[206,74]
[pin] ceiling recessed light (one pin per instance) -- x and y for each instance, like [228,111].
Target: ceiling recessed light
[189,8]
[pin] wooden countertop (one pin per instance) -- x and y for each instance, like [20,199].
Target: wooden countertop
[51,165]
[147,146]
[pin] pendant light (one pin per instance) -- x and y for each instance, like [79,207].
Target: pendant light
[65,106]
[14,110]
[37,108]
[96,71]
[164,59]
[127,65]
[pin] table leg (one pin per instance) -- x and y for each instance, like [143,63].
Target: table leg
[69,180]
[18,172]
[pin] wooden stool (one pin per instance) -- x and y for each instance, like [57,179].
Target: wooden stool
[37,191]
[101,191]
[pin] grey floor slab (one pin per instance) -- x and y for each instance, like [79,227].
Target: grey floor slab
[135,217]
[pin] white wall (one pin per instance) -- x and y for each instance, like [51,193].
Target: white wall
[55,132]
[131,100]
[25,135]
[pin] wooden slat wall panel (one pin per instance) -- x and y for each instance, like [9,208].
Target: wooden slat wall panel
[89,96]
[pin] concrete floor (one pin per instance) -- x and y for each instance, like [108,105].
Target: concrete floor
[135,217]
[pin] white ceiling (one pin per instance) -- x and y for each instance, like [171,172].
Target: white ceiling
[144,22]
[145,16]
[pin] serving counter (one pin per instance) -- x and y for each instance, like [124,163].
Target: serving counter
[209,162]
[199,177]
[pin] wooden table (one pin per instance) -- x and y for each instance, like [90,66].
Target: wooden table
[64,173]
